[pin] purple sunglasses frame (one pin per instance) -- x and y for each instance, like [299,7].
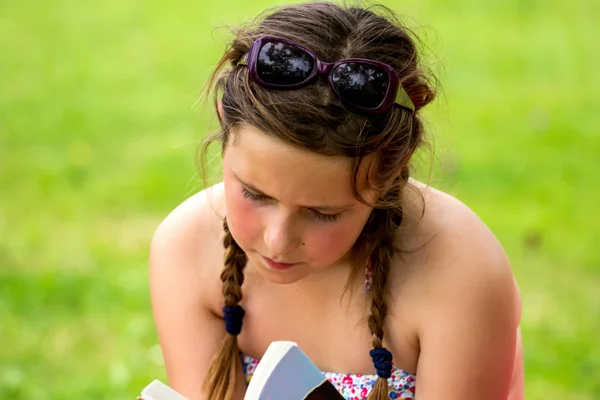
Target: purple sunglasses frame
[394,95]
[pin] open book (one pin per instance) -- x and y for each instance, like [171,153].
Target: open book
[284,373]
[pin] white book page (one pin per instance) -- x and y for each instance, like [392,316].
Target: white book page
[265,367]
[159,391]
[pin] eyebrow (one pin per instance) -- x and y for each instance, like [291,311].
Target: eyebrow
[314,207]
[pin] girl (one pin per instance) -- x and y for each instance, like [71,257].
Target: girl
[318,235]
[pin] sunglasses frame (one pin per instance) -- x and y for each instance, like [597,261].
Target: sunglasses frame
[395,92]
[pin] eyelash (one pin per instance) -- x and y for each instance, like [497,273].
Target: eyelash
[322,217]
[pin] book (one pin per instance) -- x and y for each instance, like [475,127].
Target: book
[284,373]
[157,390]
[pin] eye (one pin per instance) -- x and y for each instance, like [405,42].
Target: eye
[252,196]
[320,216]
[326,217]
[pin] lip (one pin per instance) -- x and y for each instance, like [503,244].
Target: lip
[277,265]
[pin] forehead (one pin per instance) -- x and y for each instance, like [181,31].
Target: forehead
[283,171]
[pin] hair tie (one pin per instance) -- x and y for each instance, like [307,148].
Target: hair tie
[233,319]
[382,360]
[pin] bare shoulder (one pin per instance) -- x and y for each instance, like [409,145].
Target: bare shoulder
[186,240]
[453,255]
[199,214]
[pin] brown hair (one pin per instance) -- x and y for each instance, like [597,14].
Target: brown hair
[312,118]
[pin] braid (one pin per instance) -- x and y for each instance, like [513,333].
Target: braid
[221,377]
[386,222]
[232,275]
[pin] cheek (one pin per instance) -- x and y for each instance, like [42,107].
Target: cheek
[243,217]
[327,245]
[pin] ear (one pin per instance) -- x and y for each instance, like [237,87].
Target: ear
[220,109]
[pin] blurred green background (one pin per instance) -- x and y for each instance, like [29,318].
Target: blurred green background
[98,135]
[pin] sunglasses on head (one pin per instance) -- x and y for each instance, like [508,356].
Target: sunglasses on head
[367,85]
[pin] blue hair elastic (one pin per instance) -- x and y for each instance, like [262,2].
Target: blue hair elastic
[382,360]
[233,317]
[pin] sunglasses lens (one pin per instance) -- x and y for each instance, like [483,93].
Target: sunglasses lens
[283,64]
[361,84]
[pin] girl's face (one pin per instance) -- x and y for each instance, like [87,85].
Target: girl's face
[289,205]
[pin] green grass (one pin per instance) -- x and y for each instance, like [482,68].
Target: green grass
[97,142]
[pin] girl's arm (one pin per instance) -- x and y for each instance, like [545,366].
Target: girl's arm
[469,337]
[181,285]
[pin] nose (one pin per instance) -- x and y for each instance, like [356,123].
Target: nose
[280,237]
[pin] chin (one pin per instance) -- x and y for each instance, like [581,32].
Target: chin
[279,278]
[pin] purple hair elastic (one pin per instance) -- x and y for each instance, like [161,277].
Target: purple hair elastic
[382,360]
[233,317]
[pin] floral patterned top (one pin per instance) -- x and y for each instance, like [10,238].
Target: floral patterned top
[401,385]
[357,387]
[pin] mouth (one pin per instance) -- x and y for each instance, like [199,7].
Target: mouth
[277,265]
